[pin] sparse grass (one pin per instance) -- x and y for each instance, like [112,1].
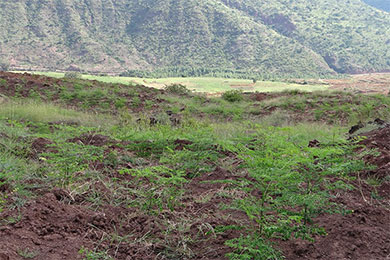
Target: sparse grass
[27,254]
[94,255]
[45,112]
[202,84]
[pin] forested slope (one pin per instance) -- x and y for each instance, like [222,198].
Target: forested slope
[280,37]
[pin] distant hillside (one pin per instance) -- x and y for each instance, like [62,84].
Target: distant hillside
[380,4]
[281,37]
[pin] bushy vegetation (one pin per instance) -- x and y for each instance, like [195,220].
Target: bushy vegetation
[221,38]
[177,89]
[232,96]
[207,72]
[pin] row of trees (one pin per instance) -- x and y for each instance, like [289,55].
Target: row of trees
[201,72]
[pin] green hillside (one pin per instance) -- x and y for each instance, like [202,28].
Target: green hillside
[281,38]
[351,36]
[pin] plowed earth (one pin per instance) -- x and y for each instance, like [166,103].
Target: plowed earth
[363,83]
[379,140]
[56,225]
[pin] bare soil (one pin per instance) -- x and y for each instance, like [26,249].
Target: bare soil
[363,83]
[51,229]
[363,234]
[379,140]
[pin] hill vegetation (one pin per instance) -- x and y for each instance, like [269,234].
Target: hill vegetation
[192,38]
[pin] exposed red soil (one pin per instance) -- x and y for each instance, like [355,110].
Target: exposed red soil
[260,96]
[202,199]
[54,230]
[380,140]
[363,83]
[363,234]
[41,145]
[181,144]
[56,226]
[92,139]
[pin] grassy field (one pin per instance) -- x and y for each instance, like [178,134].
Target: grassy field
[209,85]
[137,173]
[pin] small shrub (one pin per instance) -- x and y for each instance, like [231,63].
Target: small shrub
[3,82]
[94,254]
[136,102]
[251,247]
[120,103]
[73,75]
[177,89]
[232,96]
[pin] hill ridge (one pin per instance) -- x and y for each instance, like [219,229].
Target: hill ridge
[263,37]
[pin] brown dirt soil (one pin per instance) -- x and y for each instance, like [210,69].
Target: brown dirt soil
[380,140]
[181,144]
[41,145]
[260,96]
[202,199]
[53,230]
[55,226]
[92,139]
[363,234]
[363,83]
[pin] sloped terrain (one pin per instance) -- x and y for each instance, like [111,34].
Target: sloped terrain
[232,37]
[183,180]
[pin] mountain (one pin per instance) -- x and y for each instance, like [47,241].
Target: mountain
[380,4]
[281,37]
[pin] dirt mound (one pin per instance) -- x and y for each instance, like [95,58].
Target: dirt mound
[181,144]
[363,234]
[41,145]
[50,229]
[379,139]
[4,186]
[260,96]
[92,139]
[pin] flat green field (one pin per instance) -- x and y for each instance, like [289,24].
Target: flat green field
[210,85]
